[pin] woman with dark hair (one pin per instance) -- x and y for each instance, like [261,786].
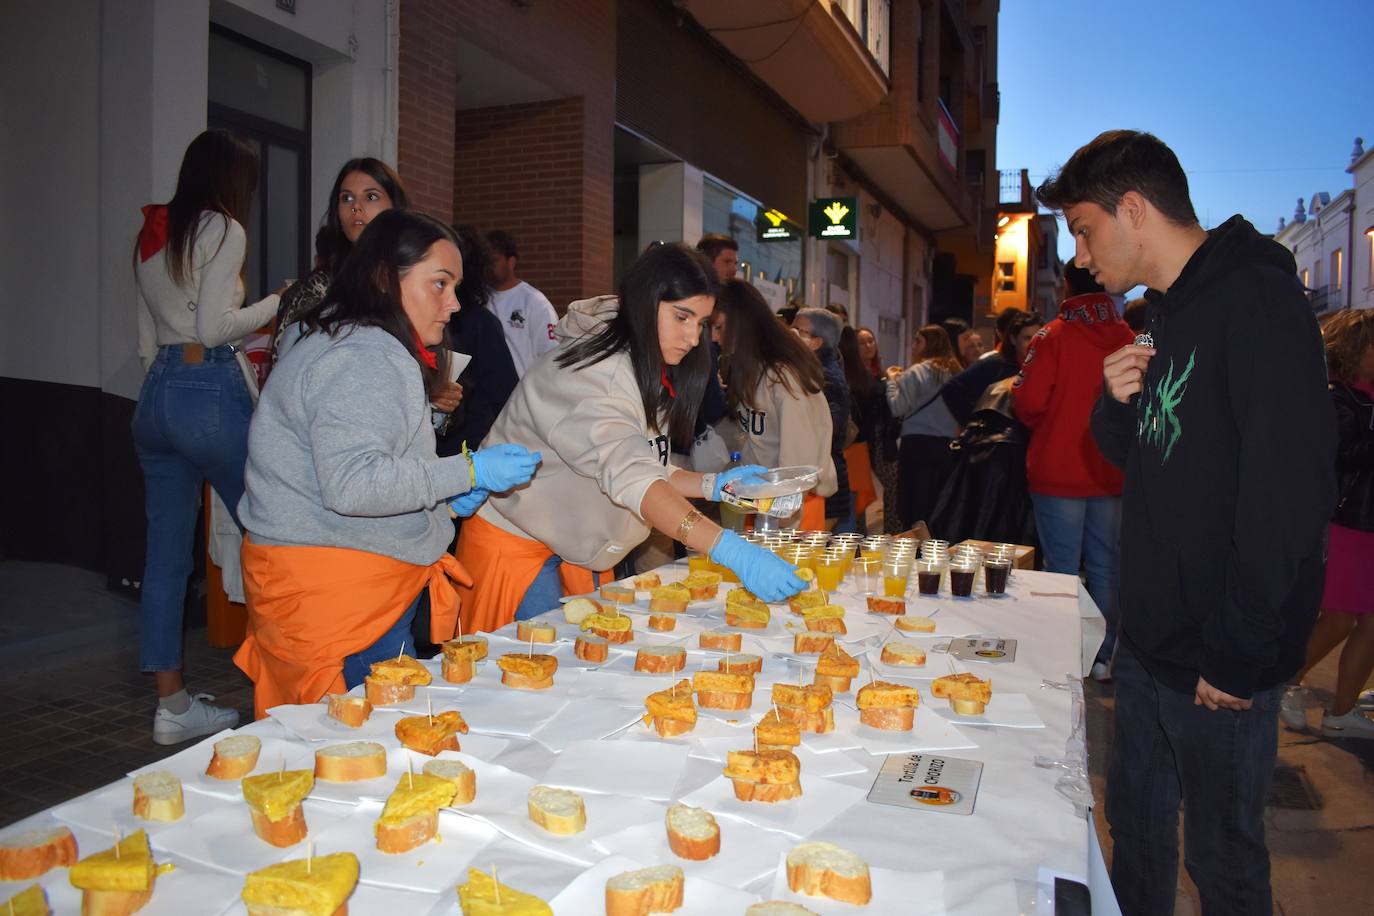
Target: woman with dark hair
[191,422]
[347,504]
[819,330]
[623,384]
[775,391]
[490,377]
[363,188]
[867,407]
[887,430]
[928,427]
[1347,608]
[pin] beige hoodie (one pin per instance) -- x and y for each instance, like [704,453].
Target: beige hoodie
[599,455]
[786,430]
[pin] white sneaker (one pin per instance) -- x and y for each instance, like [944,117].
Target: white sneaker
[200,719]
[1293,708]
[1101,672]
[1365,700]
[1353,724]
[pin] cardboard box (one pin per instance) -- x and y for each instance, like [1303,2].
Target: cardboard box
[1024,556]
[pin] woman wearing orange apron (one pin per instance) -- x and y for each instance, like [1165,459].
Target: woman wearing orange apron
[346,504]
[602,408]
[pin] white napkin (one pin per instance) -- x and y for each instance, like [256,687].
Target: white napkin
[103,810]
[747,853]
[908,893]
[507,711]
[515,867]
[224,838]
[432,867]
[639,770]
[587,895]
[367,900]
[816,764]
[189,765]
[821,801]
[1009,710]
[588,720]
[312,722]
[606,814]
[930,733]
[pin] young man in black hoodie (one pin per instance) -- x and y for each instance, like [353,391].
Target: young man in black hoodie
[1219,417]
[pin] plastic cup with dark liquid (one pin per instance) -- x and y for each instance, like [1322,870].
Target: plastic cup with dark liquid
[928,573]
[961,575]
[996,571]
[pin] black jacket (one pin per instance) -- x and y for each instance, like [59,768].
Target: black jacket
[1229,456]
[1354,457]
[487,381]
[962,392]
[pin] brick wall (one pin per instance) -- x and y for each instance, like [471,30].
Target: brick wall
[541,169]
[428,87]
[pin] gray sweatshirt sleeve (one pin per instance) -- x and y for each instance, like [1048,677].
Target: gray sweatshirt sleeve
[362,411]
[912,389]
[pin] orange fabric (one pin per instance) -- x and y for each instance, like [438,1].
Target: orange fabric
[503,566]
[311,607]
[860,476]
[813,513]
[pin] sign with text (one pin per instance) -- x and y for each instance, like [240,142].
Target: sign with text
[834,218]
[773,226]
[928,782]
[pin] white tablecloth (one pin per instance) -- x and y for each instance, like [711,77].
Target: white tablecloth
[1001,859]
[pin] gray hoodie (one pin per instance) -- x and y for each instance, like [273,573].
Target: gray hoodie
[341,452]
[600,457]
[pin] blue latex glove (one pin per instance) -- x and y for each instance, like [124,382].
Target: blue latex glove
[469,502]
[761,571]
[742,473]
[500,467]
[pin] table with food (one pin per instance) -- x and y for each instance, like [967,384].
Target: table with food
[904,736]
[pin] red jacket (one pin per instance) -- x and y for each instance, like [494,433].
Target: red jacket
[1060,381]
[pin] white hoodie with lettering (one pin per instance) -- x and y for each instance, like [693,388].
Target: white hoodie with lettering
[600,456]
[788,428]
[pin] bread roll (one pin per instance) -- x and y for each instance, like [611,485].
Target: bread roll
[351,762]
[351,711]
[455,771]
[157,797]
[558,811]
[826,870]
[646,890]
[692,832]
[234,757]
[32,853]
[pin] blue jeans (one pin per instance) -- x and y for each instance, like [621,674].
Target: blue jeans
[358,665]
[1165,749]
[1084,533]
[545,590]
[190,425]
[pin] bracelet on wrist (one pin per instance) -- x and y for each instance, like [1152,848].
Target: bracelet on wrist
[689,521]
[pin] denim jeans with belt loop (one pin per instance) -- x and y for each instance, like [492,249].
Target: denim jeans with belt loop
[190,425]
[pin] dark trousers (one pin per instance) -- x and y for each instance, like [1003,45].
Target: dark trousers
[1218,764]
[923,465]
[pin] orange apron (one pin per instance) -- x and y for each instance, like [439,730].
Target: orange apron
[812,513]
[311,607]
[503,566]
[860,476]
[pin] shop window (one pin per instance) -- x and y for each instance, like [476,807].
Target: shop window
[774,267]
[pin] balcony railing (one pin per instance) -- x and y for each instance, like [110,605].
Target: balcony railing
[1010,191]
[1319,298]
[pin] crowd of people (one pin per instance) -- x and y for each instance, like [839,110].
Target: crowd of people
[435,447]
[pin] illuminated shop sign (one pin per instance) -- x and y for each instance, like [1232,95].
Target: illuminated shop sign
[773,226]
[834,218]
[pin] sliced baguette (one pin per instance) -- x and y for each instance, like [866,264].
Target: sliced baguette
[811,643]
[915,624]
[351,762]
[455,771]
[530,631]
[692,833]
[351,711]
[662,622]
[904,654]
[157,797]
[458,667]
[575,610]
[383,693]
[288,831]
[826,870]
[778,908]
[559,811]
[32,853]
[591,648]
[832,625]
[617,594]
[646,890]
[113,903]
[721,641]
[660,659]
[743,663]
[234,757]
[407,833]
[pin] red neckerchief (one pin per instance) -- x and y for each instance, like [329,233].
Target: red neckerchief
[430,359]
[668,383]
[153,237]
